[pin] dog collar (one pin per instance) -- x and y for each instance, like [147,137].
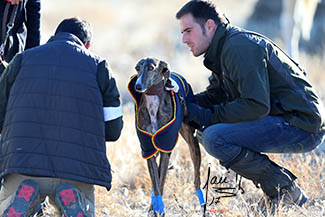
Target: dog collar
[156,89]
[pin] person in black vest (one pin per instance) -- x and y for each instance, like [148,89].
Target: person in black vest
[25,32]
[59,103]
[258,101]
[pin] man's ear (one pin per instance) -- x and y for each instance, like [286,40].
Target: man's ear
[87,45]
[210,25]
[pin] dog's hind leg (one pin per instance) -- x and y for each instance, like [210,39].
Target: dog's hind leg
[187,133]
[193,144]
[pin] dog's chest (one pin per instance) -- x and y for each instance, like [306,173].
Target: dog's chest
[152,105]
[154,111]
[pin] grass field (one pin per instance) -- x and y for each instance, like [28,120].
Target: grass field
[126,31]
[130,195]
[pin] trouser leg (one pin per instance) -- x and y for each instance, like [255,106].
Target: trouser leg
[238,146]
[276,182]
[269,134]
[261,170]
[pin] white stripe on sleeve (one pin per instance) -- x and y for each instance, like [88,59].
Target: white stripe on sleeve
[111,113]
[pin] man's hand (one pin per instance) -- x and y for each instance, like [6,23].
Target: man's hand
[15,2]
[198,115]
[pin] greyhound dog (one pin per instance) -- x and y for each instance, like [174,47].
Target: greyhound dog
[156,100]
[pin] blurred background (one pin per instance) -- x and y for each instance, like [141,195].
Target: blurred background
[126,31]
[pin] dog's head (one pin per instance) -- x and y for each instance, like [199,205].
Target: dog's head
[151,73]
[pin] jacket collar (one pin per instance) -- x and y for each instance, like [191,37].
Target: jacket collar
[211,59]
[64,36]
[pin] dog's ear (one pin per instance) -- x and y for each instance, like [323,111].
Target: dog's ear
[164,70]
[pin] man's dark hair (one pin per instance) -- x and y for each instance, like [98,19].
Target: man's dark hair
[77,27]
[201,11]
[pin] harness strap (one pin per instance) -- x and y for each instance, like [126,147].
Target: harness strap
[9,26]
[4,22]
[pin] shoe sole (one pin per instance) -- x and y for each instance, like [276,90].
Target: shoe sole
[26,201]
[69,201]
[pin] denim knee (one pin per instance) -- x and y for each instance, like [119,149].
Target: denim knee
[208,141]
[217,146]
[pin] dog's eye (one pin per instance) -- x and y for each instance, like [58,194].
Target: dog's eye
[150,68]
[137,68]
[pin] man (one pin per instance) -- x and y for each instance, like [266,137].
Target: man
[58,105]
[258,100]
[25,32]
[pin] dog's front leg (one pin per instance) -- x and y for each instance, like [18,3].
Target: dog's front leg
[163,167]
[154,174]
[157,204]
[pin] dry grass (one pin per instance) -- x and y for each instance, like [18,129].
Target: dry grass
[126,31]
[130,194]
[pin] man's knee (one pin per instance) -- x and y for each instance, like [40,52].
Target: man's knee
[217,144]
[211,137]
[212,141]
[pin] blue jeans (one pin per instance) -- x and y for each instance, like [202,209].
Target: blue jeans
[270,134]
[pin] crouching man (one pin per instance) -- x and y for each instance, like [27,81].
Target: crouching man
[258,101]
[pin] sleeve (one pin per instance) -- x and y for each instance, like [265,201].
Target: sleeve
[212,95]
[33,23]
[111,102]
[113,129]
[247,70]
[6,81]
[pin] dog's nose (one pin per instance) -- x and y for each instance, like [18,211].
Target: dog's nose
[138,87]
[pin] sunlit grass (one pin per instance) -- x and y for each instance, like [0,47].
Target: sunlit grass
[130,194]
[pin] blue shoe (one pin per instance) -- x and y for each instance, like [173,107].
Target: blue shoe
[68,201]
[26,201]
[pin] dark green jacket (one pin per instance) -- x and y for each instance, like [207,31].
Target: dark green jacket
[252,78]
